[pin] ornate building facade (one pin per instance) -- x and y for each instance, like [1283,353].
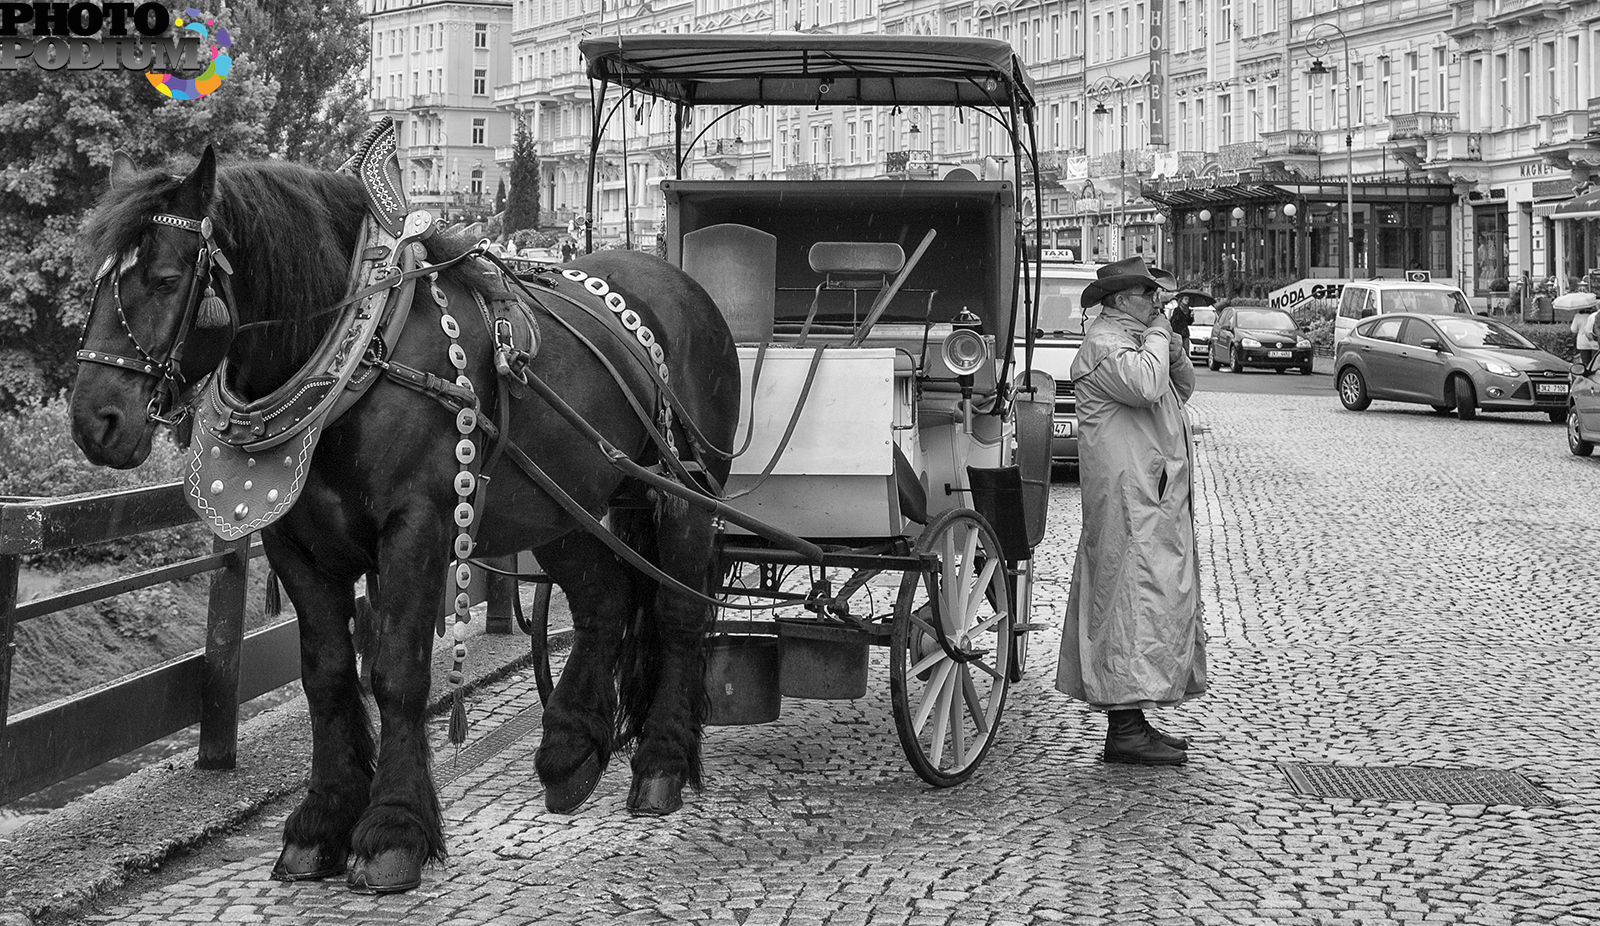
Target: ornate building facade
[1242,142]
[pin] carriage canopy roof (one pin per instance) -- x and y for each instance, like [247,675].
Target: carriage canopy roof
[813,69]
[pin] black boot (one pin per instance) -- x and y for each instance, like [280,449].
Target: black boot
[1129,741]
[1176,742]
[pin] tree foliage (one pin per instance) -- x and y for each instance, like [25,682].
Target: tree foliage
[294,92]
[522,204]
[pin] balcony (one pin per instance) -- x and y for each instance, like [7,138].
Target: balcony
[507,93]
[1121,161]
[1240,156]
[1456,146]
[716,147]
[1291,142]
[425,154]
[912,164]
[427,101]
[385,104]
[1420,125]
[805,170]
[503,154]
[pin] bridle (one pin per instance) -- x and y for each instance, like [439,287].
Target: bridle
[202,307]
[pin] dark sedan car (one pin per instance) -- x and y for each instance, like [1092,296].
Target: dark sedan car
[1463,362]
[1252,337]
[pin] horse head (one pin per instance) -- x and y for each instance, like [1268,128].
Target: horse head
[161,317]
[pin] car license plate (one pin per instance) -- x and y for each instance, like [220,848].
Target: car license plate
[1280,354]
[1552,388]
[1061,429]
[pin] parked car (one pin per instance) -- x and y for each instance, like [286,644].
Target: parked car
[1366,298]
[1256,337]
[1061,326]
[1468,363]
[1200,331]
[1583,408]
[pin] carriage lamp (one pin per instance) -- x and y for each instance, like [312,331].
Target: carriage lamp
[965,350]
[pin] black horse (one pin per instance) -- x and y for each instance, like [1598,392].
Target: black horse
[379,496]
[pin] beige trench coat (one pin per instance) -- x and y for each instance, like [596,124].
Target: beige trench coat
[1132,636]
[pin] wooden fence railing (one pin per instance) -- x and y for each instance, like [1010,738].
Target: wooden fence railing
[48,744]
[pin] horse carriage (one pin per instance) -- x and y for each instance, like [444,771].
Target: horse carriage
[827,382]
[885,415]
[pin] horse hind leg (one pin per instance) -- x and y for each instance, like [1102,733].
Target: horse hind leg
[316,837]
[577,740]
[663,677]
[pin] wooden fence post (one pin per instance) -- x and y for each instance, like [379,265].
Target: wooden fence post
[10,567]
[219,692]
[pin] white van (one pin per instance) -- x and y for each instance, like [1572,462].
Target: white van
[1365,298]
[1059,334]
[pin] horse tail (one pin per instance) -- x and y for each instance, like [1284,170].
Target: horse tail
[653,642]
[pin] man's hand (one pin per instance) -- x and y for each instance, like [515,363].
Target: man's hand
[1159,323]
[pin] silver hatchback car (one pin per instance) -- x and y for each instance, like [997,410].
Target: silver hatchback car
[1463,362]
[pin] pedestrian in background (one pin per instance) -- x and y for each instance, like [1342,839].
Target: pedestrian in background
[1181,310]
[1132,638]
[1583,331]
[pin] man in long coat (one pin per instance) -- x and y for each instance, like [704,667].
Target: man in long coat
[1132,638]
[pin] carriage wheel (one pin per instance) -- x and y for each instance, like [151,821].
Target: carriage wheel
[947,708]
[537,627]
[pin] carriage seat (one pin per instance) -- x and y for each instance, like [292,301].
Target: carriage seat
[856,264]
[738,266]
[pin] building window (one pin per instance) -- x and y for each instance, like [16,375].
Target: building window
[480,81]
[477,182]
[480,35]
[1491,237]
[478,131]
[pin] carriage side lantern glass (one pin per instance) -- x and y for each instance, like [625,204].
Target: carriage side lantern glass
[965,351]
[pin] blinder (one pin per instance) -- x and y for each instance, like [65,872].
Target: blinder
[203,308]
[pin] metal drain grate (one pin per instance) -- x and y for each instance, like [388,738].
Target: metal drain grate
[1415,783]
[448,766]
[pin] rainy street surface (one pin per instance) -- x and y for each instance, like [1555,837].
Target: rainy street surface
[1383,589]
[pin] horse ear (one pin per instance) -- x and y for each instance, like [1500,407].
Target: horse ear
[122,168]
[202,181]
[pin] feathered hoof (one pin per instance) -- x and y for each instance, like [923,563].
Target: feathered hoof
[307,863]
[655,795]
[388,872]
[567,795]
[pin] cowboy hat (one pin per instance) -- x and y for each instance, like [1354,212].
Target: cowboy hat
[1193,297]
[1125,274]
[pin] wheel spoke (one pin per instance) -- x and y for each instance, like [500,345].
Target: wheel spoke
[988,623]
[928,661]
[958,730]
[930,696]
[985,666]
[941,717]
[980,714]
[979,589]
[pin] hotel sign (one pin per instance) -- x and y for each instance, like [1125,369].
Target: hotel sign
[1158,75]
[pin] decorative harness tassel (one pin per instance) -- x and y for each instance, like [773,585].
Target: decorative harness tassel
[465,484]
[213,311]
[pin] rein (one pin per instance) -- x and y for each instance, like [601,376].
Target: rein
[203,309]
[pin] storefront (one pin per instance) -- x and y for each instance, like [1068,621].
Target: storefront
[1245,236]
[1577,233]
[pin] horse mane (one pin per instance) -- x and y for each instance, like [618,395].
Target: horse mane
[287,229]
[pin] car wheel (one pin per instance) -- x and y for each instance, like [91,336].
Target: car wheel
[1353,389]
[1211,358]
[1308,369]
[1557,417]
[1575,441]
[1466,399]
[1237,363]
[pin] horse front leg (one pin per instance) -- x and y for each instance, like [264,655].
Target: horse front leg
[316,837]
[579,721]
[664,697]
[400,830]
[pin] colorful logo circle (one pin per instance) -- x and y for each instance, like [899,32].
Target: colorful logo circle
[217,38]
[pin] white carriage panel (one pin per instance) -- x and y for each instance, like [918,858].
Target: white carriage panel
[846,426]
[832,506]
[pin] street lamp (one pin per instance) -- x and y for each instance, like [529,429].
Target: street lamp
[1101,89]
[1319,46]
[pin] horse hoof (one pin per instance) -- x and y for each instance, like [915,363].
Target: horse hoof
[568,795]
[387,872]
[307,863]
[656,795]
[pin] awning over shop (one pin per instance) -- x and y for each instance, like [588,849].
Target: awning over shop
[1586,206]
[1215,195]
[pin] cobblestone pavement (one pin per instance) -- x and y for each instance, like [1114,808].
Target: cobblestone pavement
[1384,588]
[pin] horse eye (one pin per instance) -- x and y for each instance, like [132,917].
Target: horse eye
[165,284]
